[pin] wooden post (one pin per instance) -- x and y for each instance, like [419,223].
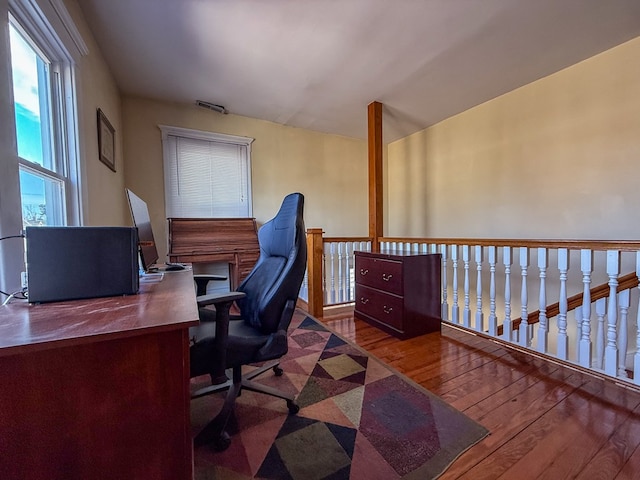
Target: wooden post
[375,173]
[314,270]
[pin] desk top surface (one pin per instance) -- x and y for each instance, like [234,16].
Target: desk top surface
[165,302]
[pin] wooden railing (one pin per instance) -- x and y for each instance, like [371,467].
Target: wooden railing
[329,279]
[564,280]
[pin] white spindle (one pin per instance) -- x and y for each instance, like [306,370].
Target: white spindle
[479,314]
[341,279]
[445,304]
[507,326]
[304,289]
[332,255]
[611,349]
[623,303]
[349,269]
[636,357]
[577,315]
[455,310]
[543,323]
[601,310]
[493,320]
[525,339]
[584,347]
[466,315]
[563,339]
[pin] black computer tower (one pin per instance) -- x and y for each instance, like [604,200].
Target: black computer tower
[66,263]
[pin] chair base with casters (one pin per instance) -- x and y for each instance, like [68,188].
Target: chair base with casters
[214,432]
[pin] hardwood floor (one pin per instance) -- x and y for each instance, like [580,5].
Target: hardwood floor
[546,421]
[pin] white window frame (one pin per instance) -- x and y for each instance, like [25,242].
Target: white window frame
[209,137]
[50,25]
[38,20]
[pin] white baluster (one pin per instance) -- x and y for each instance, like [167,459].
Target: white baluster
[493,320]
[479,314]
[455,311]
[563,339]
[304,289]
[584,345]
[341,282]
[543,323]
[525,339]
[332,257]
[507,332]
[577,315]
[349,267]
[601,310]
[445,304]
[466,315]
[611,349]
[325,288]
[636,357]
[623,303]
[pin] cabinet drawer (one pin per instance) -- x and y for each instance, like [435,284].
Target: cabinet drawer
[382,306]
[380,273]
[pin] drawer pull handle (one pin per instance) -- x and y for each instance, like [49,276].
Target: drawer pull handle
[364,271]
[386,276]
[364,301]
[387,310]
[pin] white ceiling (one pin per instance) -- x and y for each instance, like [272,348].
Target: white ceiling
[317,64]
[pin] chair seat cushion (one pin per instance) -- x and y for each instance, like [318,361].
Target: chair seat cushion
[244,343]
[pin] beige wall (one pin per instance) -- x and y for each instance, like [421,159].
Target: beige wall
[558,158]
[103,199]
[329,170]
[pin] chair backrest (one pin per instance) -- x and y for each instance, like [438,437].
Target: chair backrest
[277,275]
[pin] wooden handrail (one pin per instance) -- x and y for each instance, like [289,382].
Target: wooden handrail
[621,245]
[346,239]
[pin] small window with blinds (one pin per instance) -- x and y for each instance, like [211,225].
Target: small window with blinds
[207,175]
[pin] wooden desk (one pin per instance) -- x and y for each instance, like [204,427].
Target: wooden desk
[209,240]
[98,388]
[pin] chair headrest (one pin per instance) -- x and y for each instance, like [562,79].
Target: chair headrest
[277,237]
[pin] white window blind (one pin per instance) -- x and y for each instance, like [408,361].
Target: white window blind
[206,175]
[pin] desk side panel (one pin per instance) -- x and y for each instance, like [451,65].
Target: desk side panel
[109,409]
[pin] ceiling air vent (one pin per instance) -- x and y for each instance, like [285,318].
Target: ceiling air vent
[212,106]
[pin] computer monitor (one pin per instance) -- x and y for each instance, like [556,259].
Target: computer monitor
[142,221]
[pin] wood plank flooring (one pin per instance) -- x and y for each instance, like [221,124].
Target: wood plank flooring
[546,421]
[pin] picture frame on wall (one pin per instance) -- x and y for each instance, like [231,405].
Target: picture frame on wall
[106,141]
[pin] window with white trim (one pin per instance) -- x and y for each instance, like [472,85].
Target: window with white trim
[207,175]
[45,120]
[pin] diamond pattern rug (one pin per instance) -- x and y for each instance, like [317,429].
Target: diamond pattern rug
[358,419]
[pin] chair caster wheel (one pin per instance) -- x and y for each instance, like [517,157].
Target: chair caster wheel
[278,371]
[293,407]
[222,442]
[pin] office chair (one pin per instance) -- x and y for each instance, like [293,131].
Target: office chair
[266,300]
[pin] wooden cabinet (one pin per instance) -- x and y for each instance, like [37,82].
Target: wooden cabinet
[399,292]
[210,240]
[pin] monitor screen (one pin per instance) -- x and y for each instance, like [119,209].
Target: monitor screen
[142,221]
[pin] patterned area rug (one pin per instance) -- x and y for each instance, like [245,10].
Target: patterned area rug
[358,419]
